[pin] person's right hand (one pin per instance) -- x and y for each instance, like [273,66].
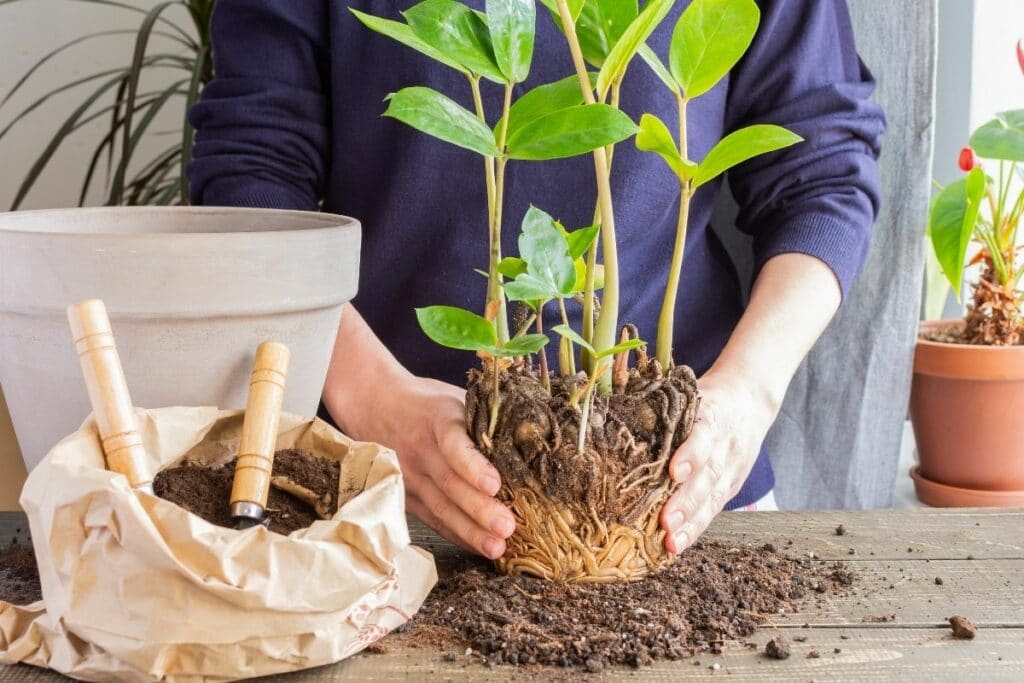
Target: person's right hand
[449,485]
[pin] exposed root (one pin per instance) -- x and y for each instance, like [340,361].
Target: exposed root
[994,317]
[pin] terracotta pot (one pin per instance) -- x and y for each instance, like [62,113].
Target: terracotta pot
[967,409]
[191,293]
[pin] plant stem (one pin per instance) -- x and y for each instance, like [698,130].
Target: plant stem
[568,364]
[496,403]
[607,320]
[581,438]
[545,379]
[666,321]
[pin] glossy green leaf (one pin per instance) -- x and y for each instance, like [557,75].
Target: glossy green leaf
[600,25]
[571,334]
[546,252]
[521,346]
[581,239]
[1001,138]
[635,35]
[951,222]
[741,145]
[512,24]
[404,34]
[575,8]
[528,288]
[581,276]
[709,39]
[543,100]
[458,32]
[570,132]
[654,136]
[434,114]
[456,328]
[658,67]
[511,267]
[618,348]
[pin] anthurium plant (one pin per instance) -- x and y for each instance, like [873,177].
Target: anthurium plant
[984,209]
[583,448]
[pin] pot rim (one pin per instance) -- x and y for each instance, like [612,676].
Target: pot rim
[965,361]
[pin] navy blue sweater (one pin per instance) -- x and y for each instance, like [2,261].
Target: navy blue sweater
[292,119]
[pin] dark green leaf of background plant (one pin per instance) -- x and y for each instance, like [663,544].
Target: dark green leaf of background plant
[457,31]
[570,132]
[600,25]
[654,136]
[404,34]
[543,100]
[635,35]
[951,222]
[512,24]
[1001,138]
[456,328]
[741,145]
[434,114]
[709,39]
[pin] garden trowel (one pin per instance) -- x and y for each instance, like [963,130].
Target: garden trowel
[108,393]
[259,434]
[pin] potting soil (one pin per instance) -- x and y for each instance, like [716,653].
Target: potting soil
[19,577]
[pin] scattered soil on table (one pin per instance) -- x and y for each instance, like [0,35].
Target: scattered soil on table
[713,594]
[777,648]
[206,491]
[840,530]
[19,577]
[962,627]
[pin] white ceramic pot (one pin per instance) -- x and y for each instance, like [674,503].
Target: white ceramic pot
[191,292]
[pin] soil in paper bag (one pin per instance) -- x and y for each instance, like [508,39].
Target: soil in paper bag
[19,578]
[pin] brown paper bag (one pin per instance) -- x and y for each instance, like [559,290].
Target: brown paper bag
[137,589]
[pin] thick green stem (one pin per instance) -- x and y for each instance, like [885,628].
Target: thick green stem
[545,378]
[496,403]
[608,320]
[666,321]
[567,357]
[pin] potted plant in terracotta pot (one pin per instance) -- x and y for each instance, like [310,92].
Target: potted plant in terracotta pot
[967,399]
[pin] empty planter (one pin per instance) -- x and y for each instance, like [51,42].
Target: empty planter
[191,293]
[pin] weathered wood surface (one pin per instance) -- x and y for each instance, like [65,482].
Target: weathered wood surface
[988,589]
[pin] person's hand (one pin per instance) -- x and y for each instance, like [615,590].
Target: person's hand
[449,485]
[712,464]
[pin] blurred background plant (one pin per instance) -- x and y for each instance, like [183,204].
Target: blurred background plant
[166,68]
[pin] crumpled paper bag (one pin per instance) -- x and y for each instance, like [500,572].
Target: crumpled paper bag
[137,589]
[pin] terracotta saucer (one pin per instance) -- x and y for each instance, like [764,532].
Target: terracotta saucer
[943,495]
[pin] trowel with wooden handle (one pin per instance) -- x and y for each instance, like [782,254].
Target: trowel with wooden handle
[108,393]
[259,434]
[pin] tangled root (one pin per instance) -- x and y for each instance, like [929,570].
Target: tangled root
[994,317]
[587,515]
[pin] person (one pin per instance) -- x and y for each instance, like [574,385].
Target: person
[292,121]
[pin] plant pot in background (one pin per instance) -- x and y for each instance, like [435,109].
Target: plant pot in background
[967,410]
[191,293]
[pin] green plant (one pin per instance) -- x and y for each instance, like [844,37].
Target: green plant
[987,210]
[120,96]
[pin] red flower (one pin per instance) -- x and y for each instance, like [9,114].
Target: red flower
[1020,54]
[967,160]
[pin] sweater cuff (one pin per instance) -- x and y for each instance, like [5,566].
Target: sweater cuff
[839,245]
[251,193]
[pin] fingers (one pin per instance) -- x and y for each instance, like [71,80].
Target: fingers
[691,530]
[443,515]
[463,457]
[483,509]
[691,456]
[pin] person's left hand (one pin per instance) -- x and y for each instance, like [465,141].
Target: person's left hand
[714,461]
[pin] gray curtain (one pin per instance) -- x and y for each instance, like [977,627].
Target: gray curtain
[836,442]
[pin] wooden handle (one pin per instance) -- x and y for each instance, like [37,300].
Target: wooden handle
[108,392]
[259,428]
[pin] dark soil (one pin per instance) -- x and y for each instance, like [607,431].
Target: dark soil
[777,648]
[993,316]
[206,491]
[713,594]
[962,627]
[19,577]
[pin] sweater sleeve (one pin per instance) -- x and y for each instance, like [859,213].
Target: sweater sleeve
[262,124]
[819,197]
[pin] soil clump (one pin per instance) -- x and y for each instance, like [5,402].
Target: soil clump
[304,488]
[19,576]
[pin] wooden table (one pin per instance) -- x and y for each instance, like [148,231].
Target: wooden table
[979,554]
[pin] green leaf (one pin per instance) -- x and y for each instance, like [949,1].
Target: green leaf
[404,34]
[521,346]
[581,276]
[618,348]
[709,39]
[1001,138]
[580,240]
[654,136]
[546,252]
[431,112]
[635,35]
[458,32]
[571,335]
[570,132]
[512,25]
[528,288]
[543,100]
[741,145]
[511,267]
[575,8]
[951,222]
[457,328]
[600,25]
[658,67]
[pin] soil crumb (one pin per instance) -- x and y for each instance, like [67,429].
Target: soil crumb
[19,577]
[777,648]
[840,530]
[714,594]
[962,627]
[206,491]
